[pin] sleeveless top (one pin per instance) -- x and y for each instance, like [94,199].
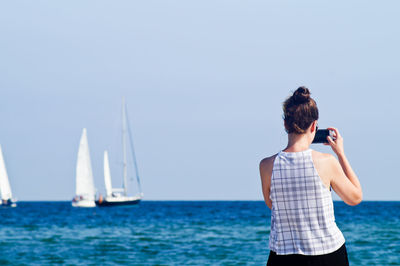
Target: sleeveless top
[302,217]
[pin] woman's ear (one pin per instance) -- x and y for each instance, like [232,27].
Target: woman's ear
[314,126]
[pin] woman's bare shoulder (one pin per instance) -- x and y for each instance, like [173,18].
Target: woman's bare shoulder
[325,166]
[324,160]
[268,162]
[320,156]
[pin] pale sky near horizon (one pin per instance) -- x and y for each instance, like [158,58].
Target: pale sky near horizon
[204,82]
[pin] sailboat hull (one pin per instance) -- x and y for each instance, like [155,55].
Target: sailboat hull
[84,203]
[8,203]
[118,201]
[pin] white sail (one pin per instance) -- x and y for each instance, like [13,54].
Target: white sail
[5,188]
[84,176]
[107,175]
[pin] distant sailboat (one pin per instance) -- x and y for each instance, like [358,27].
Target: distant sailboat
[119,196]
[5,188]
[85,190]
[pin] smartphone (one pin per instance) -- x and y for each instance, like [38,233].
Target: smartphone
[321,136]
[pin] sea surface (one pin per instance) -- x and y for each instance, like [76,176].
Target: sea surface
[178,233]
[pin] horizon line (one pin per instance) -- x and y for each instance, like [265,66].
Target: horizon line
[192,200]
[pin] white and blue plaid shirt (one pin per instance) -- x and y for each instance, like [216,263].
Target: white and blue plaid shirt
[302,217]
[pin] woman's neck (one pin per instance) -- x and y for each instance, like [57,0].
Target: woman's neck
[297,143]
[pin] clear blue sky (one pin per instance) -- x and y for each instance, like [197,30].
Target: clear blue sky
[204,81]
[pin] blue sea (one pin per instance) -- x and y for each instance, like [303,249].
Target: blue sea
[178,233]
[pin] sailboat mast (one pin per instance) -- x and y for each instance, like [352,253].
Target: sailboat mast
[134,156]
[124,146]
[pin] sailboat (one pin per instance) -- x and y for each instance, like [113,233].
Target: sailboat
[85,191]
[119,196]
[5,188]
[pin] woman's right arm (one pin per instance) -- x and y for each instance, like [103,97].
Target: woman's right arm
[266,166]
[344,181]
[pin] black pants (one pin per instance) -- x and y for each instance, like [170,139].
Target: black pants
[336,258]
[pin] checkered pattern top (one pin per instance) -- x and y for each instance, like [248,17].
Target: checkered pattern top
[302,217]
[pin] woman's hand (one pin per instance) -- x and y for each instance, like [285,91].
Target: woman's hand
[337,144]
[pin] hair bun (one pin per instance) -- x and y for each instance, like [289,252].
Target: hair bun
[301,95]
[299,110]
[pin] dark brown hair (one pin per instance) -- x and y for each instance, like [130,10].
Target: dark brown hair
[299,111]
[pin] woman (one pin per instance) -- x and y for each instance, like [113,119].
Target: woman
[296,185]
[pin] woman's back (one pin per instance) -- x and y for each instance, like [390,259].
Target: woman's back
[302,218]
